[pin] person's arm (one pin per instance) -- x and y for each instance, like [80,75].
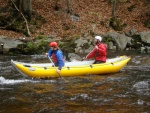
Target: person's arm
[60,60]
[50,52]
[91,54]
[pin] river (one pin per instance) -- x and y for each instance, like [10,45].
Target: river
[127,91]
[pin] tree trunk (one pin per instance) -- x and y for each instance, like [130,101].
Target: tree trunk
[25,6]
[114,8]
[28,31]
[69,9]
[56,5]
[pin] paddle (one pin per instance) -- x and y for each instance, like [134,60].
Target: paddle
[54,66]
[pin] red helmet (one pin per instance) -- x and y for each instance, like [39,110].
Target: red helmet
[53,44]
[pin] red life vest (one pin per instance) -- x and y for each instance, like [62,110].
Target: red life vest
[54,58]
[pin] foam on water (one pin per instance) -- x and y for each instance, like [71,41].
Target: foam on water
[12,81]
[142,85]
[83,96]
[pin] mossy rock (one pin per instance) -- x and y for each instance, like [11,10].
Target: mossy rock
[41,37]
[117,24]
[34,48]
[67,46]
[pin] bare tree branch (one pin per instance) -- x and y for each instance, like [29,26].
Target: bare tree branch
[23,18]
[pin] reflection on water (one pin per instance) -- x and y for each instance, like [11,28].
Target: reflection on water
[125,92]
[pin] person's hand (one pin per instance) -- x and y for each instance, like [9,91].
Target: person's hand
[46,54]
[58,71]
[84,58]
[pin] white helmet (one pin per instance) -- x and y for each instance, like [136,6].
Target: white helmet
[98,38]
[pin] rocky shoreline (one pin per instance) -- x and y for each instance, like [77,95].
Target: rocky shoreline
[132,40]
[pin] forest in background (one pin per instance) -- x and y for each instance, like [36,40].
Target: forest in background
[85,17]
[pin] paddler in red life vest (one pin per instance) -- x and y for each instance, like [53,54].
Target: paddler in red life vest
[57,56]
[99,52]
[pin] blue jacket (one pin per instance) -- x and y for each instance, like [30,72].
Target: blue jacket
[59,57]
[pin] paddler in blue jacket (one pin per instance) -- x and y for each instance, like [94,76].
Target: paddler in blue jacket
[57,56]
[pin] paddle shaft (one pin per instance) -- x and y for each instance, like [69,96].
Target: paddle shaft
[54,65]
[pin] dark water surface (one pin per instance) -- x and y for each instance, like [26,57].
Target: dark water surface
[125,92]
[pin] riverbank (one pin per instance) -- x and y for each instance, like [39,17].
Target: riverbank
[132,40]
[75,31]
[87,18]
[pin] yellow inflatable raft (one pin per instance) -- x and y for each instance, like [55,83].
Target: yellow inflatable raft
[76,68]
